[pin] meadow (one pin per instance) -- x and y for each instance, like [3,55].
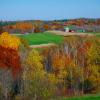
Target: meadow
[46,37]
[42,38]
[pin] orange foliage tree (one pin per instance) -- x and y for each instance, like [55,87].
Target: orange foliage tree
[9,56]
[24,27]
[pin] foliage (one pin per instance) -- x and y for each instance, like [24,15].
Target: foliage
[76,63]
[9,41]
[36,77]
[72,68]
[9,56]
[24,27]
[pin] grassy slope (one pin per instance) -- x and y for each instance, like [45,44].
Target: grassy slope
[42,38]
[88,97]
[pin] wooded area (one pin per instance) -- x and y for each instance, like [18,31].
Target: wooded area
[69,69]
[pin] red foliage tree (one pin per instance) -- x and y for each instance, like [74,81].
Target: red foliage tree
[9,58]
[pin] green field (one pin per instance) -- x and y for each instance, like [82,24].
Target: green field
[42,38]
[88,97]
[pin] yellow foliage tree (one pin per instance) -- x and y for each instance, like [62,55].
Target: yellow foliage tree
[35,66]
[9,41]
[35,77]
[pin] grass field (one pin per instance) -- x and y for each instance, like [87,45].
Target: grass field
[45,38]
[88,97]
[42,38]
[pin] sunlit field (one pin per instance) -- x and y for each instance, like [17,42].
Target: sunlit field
[42,38]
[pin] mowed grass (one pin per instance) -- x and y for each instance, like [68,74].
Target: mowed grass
[42,38]
[87,97]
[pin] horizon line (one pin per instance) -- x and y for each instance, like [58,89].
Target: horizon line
[49,19]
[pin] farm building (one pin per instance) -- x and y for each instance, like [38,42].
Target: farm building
[74,29]
[66,29]
[69,29]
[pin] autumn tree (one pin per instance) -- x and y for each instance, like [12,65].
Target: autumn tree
[24,27]
[1,29]
[46,27]
[38,25]
[9,57]
[8,47]
[35,77]
[92,69]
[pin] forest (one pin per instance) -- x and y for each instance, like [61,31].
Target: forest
[71,68]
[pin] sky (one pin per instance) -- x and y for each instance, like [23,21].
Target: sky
[48,9]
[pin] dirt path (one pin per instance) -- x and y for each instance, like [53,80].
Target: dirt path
[69,33]
[43,45]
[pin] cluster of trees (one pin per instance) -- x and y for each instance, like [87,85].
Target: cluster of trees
[70,69]
[35,27]
[20,27]
[83,21]
[77,64]
[10,65]
[41,26]
[73,68]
